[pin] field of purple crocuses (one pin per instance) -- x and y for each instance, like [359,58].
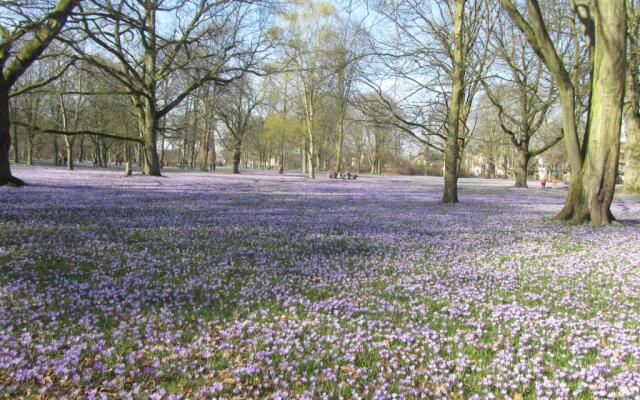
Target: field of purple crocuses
[203,285]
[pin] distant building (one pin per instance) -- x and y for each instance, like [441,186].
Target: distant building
[479,165]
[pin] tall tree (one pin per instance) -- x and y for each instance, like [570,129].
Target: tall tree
[451,149]
[522,96]
[594,165]
[436,57]
[211,41]
[346,52]
[309,29]
[22,42]
[235,111]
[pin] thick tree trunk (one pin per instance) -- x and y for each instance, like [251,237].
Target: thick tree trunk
[593,188]
[522,167]
[70,158]
[148,126]
[151,164]
[30,50]
[491,170]
[204,165]
[236,158]
[5,142]
[104,160]
[69,144]
[281,163]
[450,194]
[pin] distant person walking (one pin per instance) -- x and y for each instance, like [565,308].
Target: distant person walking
[543,182]
[554,182]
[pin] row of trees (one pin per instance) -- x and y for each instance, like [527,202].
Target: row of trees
[310,85]
[521,56]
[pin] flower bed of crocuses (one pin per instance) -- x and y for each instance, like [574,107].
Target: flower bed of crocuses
[209,285]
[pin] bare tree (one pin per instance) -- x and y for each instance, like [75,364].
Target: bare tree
[594,165]
[25,34]
[435,60]
[522,96]
[347,52]
[307,33]
[209,41]
[235,111]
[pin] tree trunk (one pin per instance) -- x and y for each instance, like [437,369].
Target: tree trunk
[81,149]
[162,139]
[236,158]
[206,137]
[491,169]
[5,142]
[311,173]
[104,161]
[310,125]
[30,147]
[192,159]
[522,167]
[632,156]
[148,125]
[281,163]
[128,169]
[151,164]
[204,165]
[450,194]
[16,157]
[70,157]
[339,142]
[69,144]
[593,188]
